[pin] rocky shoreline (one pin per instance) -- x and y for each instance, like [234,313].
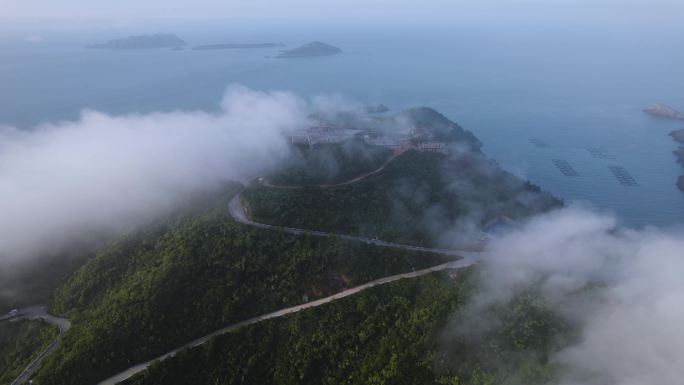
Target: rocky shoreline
[678,136]
[680,155]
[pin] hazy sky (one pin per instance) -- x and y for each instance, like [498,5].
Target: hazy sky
[385,10]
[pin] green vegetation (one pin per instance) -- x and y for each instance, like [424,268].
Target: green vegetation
[510,343]
[392,334]
[170,283]
[413,200]
[330,163]
[198,270]
[20,342]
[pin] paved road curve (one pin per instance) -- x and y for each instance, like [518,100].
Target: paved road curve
[130,372]
[237,211]
[34,313]
[361,177]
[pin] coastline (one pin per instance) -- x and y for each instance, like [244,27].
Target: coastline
[678,136]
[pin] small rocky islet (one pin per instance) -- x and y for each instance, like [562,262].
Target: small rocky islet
[313,49]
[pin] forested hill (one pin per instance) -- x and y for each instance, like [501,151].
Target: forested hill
[399,334]
[417,198]
[168,284]
[198,270]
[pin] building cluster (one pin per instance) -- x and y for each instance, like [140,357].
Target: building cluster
[322,134]
[326,134]
[439,147]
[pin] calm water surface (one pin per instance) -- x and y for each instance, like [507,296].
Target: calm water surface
[568,91]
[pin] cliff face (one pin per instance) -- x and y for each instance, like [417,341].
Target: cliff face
[680,183]
[664,111]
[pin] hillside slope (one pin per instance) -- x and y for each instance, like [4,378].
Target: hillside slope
[164,286]
[416,199]
[389,335]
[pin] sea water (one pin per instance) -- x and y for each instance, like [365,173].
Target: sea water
[535,97]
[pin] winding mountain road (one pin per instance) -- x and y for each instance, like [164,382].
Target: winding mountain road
[266,183]
[34,313]
[237,211]
[130,372]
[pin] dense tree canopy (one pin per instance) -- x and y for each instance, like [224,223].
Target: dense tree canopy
[415,199]
[165,285]
[395,334]
[20,343]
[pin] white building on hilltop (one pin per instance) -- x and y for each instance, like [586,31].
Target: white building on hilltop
[439,147]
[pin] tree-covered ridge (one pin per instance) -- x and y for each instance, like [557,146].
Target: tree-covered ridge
[198,270]
[392,334]
[162,287]
[330,163]
[415,199]
[324,163]
[378,336]
[20,342]
[414,124]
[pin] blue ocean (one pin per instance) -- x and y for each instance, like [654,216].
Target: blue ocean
[536,97]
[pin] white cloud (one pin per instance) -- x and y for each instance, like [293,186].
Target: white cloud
[61,181]
[631,329]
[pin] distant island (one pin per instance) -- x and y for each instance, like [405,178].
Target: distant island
[314,49]
[680,183]
[661,110]
[237,46]
[158,40]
